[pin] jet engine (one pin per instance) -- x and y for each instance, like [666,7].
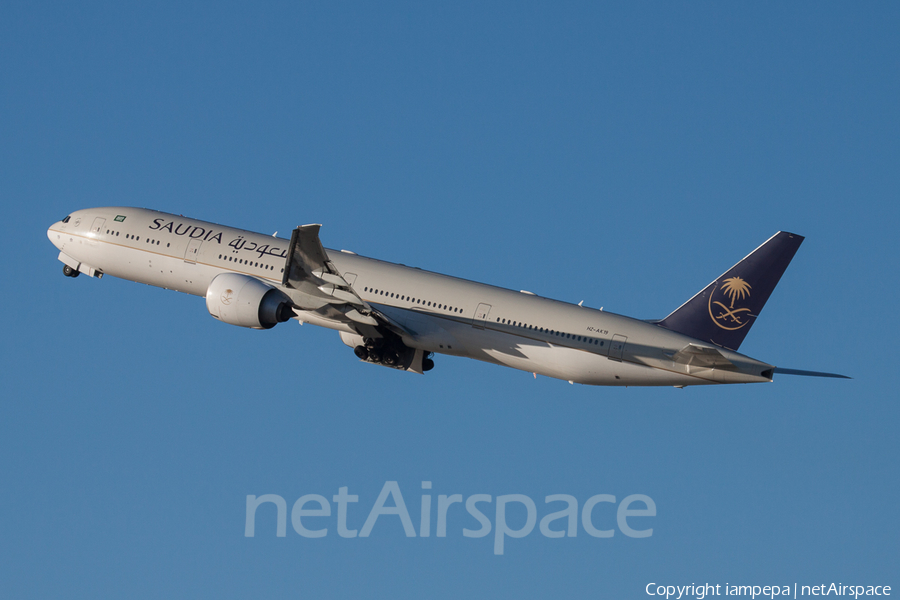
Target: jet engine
[247,302]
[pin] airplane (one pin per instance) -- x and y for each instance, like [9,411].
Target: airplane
[401,317]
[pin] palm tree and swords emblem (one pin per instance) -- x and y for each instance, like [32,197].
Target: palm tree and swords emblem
[729,317]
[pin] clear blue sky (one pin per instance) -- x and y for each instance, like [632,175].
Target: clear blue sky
[622,155]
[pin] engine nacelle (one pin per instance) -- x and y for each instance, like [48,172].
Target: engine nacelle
[247,302]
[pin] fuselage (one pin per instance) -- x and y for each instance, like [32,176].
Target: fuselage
[442,314]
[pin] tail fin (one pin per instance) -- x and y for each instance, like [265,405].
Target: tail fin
[725,310]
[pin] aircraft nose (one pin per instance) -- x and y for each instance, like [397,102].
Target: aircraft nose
[54,235]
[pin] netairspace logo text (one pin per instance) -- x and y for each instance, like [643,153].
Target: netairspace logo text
[312,515]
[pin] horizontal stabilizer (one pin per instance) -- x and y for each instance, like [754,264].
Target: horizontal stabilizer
[700,356]
[780,371]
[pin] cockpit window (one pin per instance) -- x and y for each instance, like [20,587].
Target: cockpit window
[66,220]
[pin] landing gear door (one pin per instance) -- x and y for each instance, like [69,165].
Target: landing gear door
[617,346]
[481,315]
[193,251]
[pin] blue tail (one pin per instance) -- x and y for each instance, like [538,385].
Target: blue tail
[726,309]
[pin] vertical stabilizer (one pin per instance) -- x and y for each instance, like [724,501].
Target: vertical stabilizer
[726,309]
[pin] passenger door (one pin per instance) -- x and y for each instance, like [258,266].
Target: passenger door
[481,315]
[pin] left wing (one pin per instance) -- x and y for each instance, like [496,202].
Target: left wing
[315,285]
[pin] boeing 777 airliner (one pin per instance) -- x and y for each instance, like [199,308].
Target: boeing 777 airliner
[399,317]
